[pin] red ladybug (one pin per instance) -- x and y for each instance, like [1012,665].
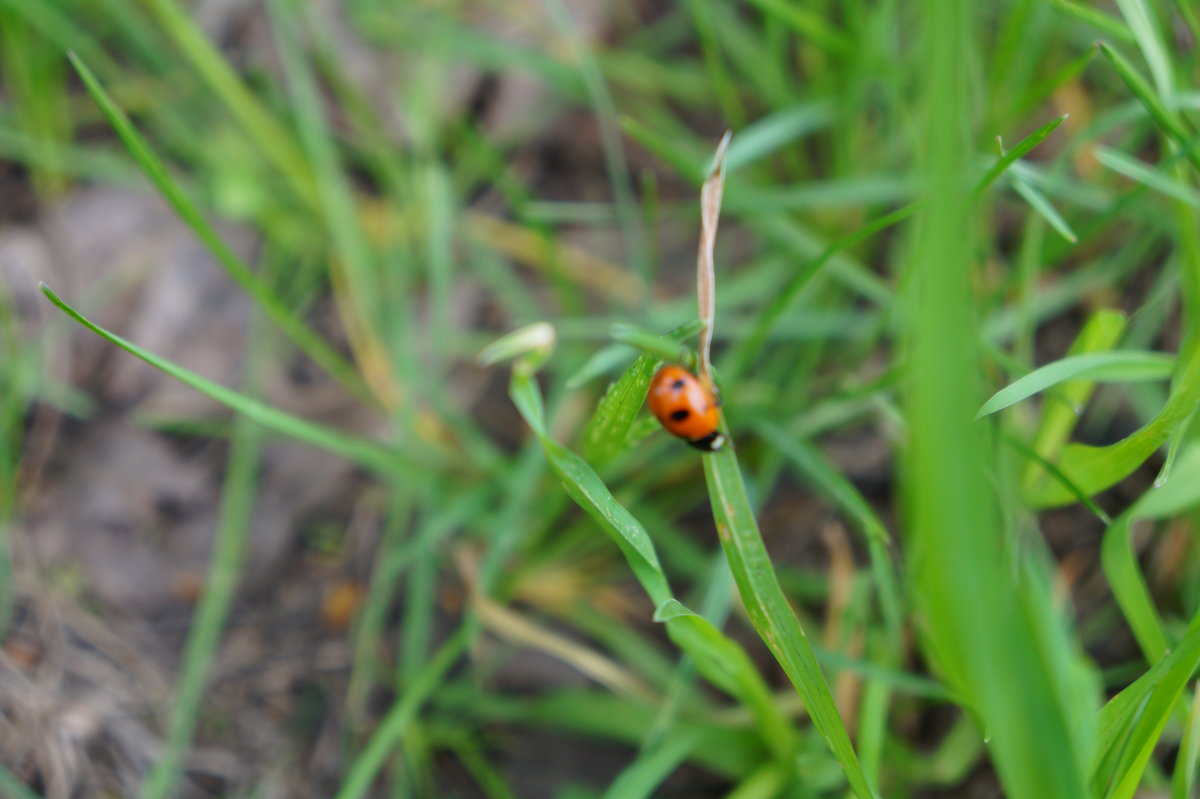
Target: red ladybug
[686,408]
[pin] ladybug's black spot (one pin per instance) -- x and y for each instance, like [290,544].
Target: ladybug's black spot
[678,384]
[680,414]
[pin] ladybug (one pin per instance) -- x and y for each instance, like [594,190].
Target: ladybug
[686,408]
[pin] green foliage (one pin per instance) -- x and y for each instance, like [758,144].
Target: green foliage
[885,264]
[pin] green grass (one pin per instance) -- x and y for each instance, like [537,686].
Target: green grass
[957,283]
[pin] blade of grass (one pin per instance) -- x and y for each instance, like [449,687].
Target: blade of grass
[615,162]
[1153,178]
[366,765]
[1187,761]
[767,135]
[1100,20]
[769,610]
[783,299]
[308,341]
[813,464]
[1124,366]
[1100,333]
[722,661]
[1130,590]
[335,198]
[960,556]
[272,139]
[13,788]
[607,432]
[1010,157]
[229,547]
[1179,493]
[1095,468]
[1042,205]
[360,450]
[1166,119]
[1132,722]
[1145,31]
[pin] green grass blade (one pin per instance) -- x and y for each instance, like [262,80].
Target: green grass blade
[1166,119]
[719,659]
[646,774]
[813,464]
[1106,23]
[605,111]
[1136,170]
[13,788]
[1130,590]
[1145,32]
[608,432]
[272,139]
[309,342]
[1132,722]
[666,347]
[588,491]
[1187,761]
[383,742]
[783,299]
[1124,366]
[767,135]
[1011,156]
[725,664]
[1188,14]
[359,450]
[237,502]
[961,558]
[1042,205]
[1095,468]
[1100,333]
[769,611]
[1178,494]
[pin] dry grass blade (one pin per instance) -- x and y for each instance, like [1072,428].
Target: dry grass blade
[706,289]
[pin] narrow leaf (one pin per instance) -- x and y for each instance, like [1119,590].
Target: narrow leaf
[1123,366]
[359,450]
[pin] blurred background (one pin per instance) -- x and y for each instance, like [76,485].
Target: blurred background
[330,208]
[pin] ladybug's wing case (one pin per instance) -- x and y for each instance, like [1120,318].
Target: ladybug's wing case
[685,408]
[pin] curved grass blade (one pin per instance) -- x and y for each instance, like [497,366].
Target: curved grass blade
[360,450]
[1178,494]
[1165,118]
[1100,333]
[812,463]
[1124,366]
[1132,722]
[301,335]
[719,659]
[726,665]
[1010,157]
[1130,589]
[1094,469]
